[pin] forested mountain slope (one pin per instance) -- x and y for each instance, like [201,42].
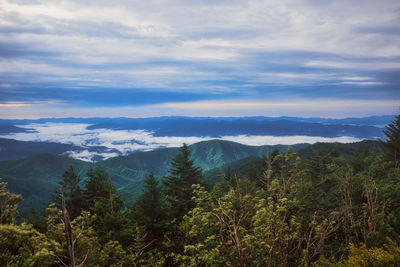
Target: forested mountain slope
[37,177]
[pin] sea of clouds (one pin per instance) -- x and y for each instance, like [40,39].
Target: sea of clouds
[122,142]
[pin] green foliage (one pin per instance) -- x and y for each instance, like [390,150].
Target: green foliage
[21,245]
[392,142]
[217,227]
[178,184]
[8,204]
[283,210]
[108,220]
[388,255]
[37,177]
[148,211]
[72,192]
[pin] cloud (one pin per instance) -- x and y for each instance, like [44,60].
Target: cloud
[90,156]
[12,104]
[124,51]
[248,106]
[128,141]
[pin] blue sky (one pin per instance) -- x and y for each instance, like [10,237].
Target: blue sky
[199,58]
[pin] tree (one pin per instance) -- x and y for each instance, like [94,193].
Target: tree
[97,186]
[21,245]
[148,209]
[8,204]
[105,205]
[392,141]
[179,199]
[72,192]
[218,227]
[178,183]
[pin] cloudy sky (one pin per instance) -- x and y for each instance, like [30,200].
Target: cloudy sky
[199,58]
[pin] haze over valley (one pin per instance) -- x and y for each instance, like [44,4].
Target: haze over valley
[95,139]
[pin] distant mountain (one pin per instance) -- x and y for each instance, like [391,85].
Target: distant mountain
[12,149]
[215,127]
[94,139]
[7,127]
[368,127]
[371,120]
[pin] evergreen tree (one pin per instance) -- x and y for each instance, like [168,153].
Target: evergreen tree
[392,141]
[97,186]
[148,210]
[101,200]
[178,183]
[72,192]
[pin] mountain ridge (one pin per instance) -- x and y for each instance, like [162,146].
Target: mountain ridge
[37,177]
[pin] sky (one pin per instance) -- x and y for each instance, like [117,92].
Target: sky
[199,58]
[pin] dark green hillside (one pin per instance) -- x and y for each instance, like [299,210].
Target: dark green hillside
[37,177]
[242,166]
[237,168]
[214,153]
[129,172]
[12,149]
[346,150]
[157,160]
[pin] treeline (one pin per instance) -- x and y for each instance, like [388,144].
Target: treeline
[324,211]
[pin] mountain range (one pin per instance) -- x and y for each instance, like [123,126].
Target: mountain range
[97,139]
[368,127]
[36,177]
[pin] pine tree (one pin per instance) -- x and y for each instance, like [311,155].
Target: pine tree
[72,192]
[178,183]
[392,141]
[148,210]
[103,202]
[97,186]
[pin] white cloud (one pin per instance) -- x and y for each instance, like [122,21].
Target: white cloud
[128,32]
[297,107]
[355,65]
[127,141]
[87,155]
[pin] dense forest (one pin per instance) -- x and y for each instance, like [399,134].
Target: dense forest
[322,209]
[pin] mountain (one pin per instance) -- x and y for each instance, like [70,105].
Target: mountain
[36,177]
[95,139]
[241,167]
[7,127]
[346,150]
[215,127]
[11,149]
[154,121]
[368,127]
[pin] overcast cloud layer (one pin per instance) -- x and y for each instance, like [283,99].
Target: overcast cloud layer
[127,141]
[218,58]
